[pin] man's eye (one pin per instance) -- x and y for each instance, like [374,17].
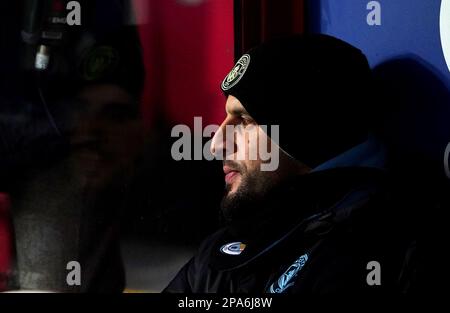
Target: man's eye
[246,121]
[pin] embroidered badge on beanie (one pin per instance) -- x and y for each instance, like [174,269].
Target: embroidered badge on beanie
[236,73]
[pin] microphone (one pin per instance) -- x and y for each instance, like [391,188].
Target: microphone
[32,21]
[44,26]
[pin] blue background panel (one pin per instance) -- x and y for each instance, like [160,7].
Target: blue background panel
[407,27]
[406,54]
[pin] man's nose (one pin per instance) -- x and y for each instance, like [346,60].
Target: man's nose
[221,144]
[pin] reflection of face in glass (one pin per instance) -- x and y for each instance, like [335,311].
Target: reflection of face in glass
[107,134]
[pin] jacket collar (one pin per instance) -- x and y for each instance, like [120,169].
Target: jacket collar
[302,209]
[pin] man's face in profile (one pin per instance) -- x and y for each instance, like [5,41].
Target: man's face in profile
[245,181]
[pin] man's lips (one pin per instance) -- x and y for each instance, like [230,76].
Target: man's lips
[230,174]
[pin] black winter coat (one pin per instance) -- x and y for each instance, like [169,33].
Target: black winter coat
[326,232]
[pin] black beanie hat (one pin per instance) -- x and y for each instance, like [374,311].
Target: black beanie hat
[104,49]
[315,87]
[114,58]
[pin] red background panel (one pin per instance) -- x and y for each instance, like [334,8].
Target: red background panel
[188,49]
[6,244]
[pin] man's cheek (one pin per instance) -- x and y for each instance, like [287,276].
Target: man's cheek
[252,143]
[269,152]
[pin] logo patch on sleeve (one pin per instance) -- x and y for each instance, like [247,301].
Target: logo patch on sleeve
[236,73]
[287,279]
[234,248]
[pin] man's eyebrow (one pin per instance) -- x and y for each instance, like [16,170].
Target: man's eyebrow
[236,111]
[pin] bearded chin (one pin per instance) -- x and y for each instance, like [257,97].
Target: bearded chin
[244,203]
[236,206]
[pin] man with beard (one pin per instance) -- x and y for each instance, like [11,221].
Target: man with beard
[321,222]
